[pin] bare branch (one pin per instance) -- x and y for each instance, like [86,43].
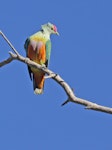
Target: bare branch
[69,91]
[9,43]
[8,60]
[5,62]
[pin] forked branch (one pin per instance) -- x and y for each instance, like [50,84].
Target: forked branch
[70,94]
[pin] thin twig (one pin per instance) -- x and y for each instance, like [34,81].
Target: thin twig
[66,102]
[9,43]
[7,61]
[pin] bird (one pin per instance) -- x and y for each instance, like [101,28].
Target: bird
[38,49]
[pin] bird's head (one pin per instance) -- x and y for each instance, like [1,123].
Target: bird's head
[50,28]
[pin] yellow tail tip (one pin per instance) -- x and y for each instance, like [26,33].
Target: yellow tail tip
[38,91]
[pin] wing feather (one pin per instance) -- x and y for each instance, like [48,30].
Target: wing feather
[48,52]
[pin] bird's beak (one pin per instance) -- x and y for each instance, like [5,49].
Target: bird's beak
[57,33]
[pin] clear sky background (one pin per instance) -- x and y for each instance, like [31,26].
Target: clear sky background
[82,55]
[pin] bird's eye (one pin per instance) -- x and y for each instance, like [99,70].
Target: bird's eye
[52,28]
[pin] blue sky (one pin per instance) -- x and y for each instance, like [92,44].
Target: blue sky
[82,55]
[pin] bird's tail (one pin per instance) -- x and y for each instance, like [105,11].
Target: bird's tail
[38,83]
[38,91]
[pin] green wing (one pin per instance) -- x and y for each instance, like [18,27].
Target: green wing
[48,52]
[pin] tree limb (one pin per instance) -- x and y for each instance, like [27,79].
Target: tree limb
[56,77]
